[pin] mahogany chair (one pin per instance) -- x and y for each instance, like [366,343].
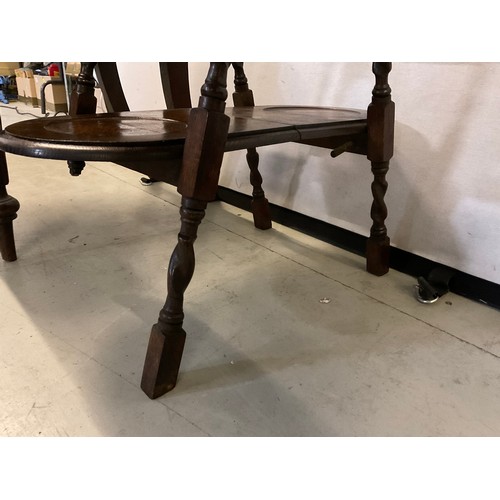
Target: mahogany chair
[176,92]
[186,146]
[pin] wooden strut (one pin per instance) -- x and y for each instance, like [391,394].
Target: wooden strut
[198,182]
[8,212]
[242,97]
[380,118]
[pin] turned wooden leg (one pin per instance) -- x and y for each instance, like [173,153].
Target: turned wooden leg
[8,212]
[260,206]
[167,338]
[198,181]
[380,119]
[378,246]
[243,97]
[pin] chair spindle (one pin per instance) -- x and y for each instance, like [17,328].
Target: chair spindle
[242,97]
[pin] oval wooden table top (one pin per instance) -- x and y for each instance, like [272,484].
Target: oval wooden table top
[161,134]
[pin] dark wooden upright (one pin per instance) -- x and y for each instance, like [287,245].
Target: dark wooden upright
[380,147]
[8,212]
[82,102]
[175,84]
[198,182]
[243,96]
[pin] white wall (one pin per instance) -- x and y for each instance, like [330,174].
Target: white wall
[444,183]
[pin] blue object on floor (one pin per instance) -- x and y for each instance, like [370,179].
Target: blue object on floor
[5,82]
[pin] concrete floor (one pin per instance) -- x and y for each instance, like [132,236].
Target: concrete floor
[265,356]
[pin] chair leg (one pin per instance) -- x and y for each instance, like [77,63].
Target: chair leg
[380,116]
[203,152]
[260,206]
[8,212]
[243,97]
[7,243]
[378,245]
[167,338]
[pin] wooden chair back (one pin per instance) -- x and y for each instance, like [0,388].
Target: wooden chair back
[174,78]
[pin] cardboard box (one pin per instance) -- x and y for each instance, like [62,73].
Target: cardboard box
[24,72]
[73,69]
[55,94]
[8,68]
[26,89]
[20,86]
[25,83]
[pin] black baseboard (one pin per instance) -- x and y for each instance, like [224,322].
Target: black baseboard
[462,283]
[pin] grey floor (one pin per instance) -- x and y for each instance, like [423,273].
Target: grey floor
[265,355]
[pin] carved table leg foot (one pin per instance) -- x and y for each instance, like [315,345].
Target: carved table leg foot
[7,244]
[163,360]
[166,343]
[76,167]
[377,256]
[260,206]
